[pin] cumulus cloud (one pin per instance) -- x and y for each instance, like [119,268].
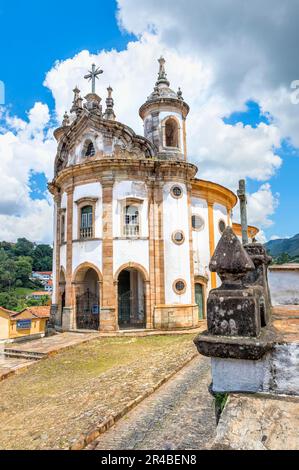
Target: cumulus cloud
[25,146]
[220,53]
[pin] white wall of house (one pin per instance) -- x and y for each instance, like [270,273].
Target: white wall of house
[87,251]
[176,257]
[284,286]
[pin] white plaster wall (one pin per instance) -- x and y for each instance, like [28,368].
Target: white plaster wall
[63,201]
[276,372]
[220,213]
[88,190]
[88,251]
[130,250]
[284,287]
[201,248]
[176,257]
[128,189]
[62,256]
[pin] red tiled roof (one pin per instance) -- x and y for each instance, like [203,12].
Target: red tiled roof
[44,272]
[40,311]
[39,292]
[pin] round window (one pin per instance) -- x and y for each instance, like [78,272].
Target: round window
[197,222]
[176,191]
[179,286]
[178,237]
[221,226]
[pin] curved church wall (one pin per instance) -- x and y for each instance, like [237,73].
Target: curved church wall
[176,257]
[201,247]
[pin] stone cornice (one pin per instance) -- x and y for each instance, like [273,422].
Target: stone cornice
[120,169]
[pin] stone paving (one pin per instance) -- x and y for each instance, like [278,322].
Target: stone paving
[50,344]
[59,399]
[179,415]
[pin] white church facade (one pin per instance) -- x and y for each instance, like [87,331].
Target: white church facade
[134,229]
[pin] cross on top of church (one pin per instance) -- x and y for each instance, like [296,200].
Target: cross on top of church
[93,75]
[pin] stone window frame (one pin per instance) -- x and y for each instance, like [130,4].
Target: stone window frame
[128,201]
[174,195]
[163,127]
[174,239]
[200,229]
[219,222]
[179,292]
[81,203]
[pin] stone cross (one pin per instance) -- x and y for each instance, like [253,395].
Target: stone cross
[243,211]
[93,75]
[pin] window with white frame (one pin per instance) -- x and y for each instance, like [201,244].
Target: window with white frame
[131,225]
[86,225]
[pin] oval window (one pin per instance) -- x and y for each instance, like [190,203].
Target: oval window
[176,191]
[179,286]
[197,222]
[178,237]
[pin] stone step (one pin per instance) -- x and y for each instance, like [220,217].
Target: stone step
[23,354]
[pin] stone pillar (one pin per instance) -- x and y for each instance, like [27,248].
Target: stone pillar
[243,210]
[69,310]
[156,247]
[108,316]
[56,262]
[211,239]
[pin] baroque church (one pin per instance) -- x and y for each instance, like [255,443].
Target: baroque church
[134,228]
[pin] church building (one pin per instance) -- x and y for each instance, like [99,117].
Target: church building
[134,228]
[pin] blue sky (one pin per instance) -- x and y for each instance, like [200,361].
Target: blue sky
[44,32]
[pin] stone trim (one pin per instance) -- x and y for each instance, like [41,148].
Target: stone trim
[174,239]
[179,292]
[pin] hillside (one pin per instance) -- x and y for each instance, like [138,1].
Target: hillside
[284,245]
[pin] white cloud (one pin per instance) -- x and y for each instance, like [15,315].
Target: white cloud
[24,148]
[218,60]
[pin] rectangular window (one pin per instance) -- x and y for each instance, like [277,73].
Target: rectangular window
[86,229]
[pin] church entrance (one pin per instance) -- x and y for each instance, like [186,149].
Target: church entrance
[199,300]
[87,301]
[131,299]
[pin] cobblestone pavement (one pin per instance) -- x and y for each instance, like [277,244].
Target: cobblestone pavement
[59,399]
[179,415]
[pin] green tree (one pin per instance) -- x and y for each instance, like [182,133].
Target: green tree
[8,300]
[7,270]
[23,267]
[42,258]
[23,247]
[283,258]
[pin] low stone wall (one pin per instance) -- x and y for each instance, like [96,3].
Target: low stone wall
[174,316]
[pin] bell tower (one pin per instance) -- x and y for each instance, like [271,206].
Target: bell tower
[164,115]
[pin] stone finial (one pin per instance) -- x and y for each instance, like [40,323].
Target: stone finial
[93,103]
[230,260]
[66,120]
[162,76]
[77,102]
[109,113]
[180,94]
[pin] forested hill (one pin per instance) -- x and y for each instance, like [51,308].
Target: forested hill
[18,260]
[286,247]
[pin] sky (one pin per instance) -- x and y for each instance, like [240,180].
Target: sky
[235,62]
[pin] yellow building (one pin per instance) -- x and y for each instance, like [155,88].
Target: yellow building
[29,323]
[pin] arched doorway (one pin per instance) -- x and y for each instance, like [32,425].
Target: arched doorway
[131,299]
[87,299]
[199,300]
